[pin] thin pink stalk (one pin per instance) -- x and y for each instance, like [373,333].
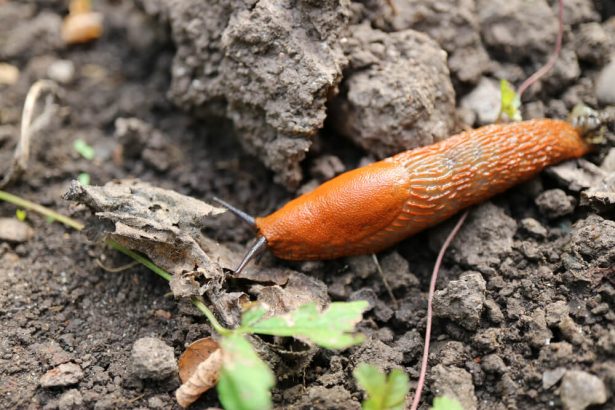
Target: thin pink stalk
[552,60]
[432,290]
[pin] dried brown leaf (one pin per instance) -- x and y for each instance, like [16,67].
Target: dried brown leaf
[197,352]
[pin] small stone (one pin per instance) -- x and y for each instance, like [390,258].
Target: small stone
[71,400]
[365,294]
[326,167]
[9,74]
[63,375]
[580,390]
[487,340]
[532,227]
[155,402]
[484,101]
[410,344]
[153,359]
[62,71]
[494,313]
[592,43]
[14,230]
[555,312]
[454,382]
[551,377]
[555,203]
[396,271]
[462,300]
[605,84]
[492,363]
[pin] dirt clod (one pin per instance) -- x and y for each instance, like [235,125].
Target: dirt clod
[63,375]
[153,359]
[580,390]
[399,94]
[454,382]
[462,300]
[555,203]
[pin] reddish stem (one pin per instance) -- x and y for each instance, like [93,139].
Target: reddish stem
[552,60]
[432,290]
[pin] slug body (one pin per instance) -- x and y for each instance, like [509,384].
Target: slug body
[371,208]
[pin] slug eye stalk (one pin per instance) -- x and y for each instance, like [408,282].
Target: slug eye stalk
[249,219]
[261,244]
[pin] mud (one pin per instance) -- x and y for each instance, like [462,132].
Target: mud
[225,100]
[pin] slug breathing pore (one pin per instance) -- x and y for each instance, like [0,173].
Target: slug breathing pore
[371,208]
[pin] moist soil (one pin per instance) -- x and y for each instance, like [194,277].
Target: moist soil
[527,290]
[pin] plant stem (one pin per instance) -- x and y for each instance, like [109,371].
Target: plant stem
[141,259]
[210,316]
[78,226]
[23,203]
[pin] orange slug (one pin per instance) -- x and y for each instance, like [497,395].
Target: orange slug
[373,207]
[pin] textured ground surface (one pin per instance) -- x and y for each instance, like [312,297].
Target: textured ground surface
[225,99]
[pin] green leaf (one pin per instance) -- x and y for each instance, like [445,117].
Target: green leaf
[446,403]
[245,380]
[510,102]
[383,393]
[84,149]
[21,214]
[84,178]
[332,328]
[252,315]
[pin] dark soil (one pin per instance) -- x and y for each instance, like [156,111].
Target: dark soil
[525,318]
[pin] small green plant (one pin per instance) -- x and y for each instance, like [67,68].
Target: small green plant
[446,403]
[84,178]
[21,215]
[510,101]
[84,149]
[383,392]
[245,380]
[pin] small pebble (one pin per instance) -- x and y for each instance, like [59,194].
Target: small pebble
[13,230]
[580,390]
[153,359]
[555,203]
[62,71]
[484,101]
[9,74]
[71,400]
[551,377]
[63,375]
[532,227]
[605,84]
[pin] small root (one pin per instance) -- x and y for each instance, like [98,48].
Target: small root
[117,269]
[30,126]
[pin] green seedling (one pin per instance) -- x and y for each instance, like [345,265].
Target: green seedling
[446,403]
[383,392]
[84,149]
[84,178]
[21,215]
[510,103]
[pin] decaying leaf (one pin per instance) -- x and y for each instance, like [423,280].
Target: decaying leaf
[160,223]
[197,352]
[299,290]
[201,370]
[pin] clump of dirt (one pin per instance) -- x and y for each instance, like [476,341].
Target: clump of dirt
[175,91]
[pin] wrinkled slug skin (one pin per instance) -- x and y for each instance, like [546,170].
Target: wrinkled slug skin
[371,208]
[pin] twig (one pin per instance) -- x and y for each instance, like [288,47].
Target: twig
[118,269]
[78,226]
[385,282]
[22,150]
[23,203]
[432,290]
[552,60]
